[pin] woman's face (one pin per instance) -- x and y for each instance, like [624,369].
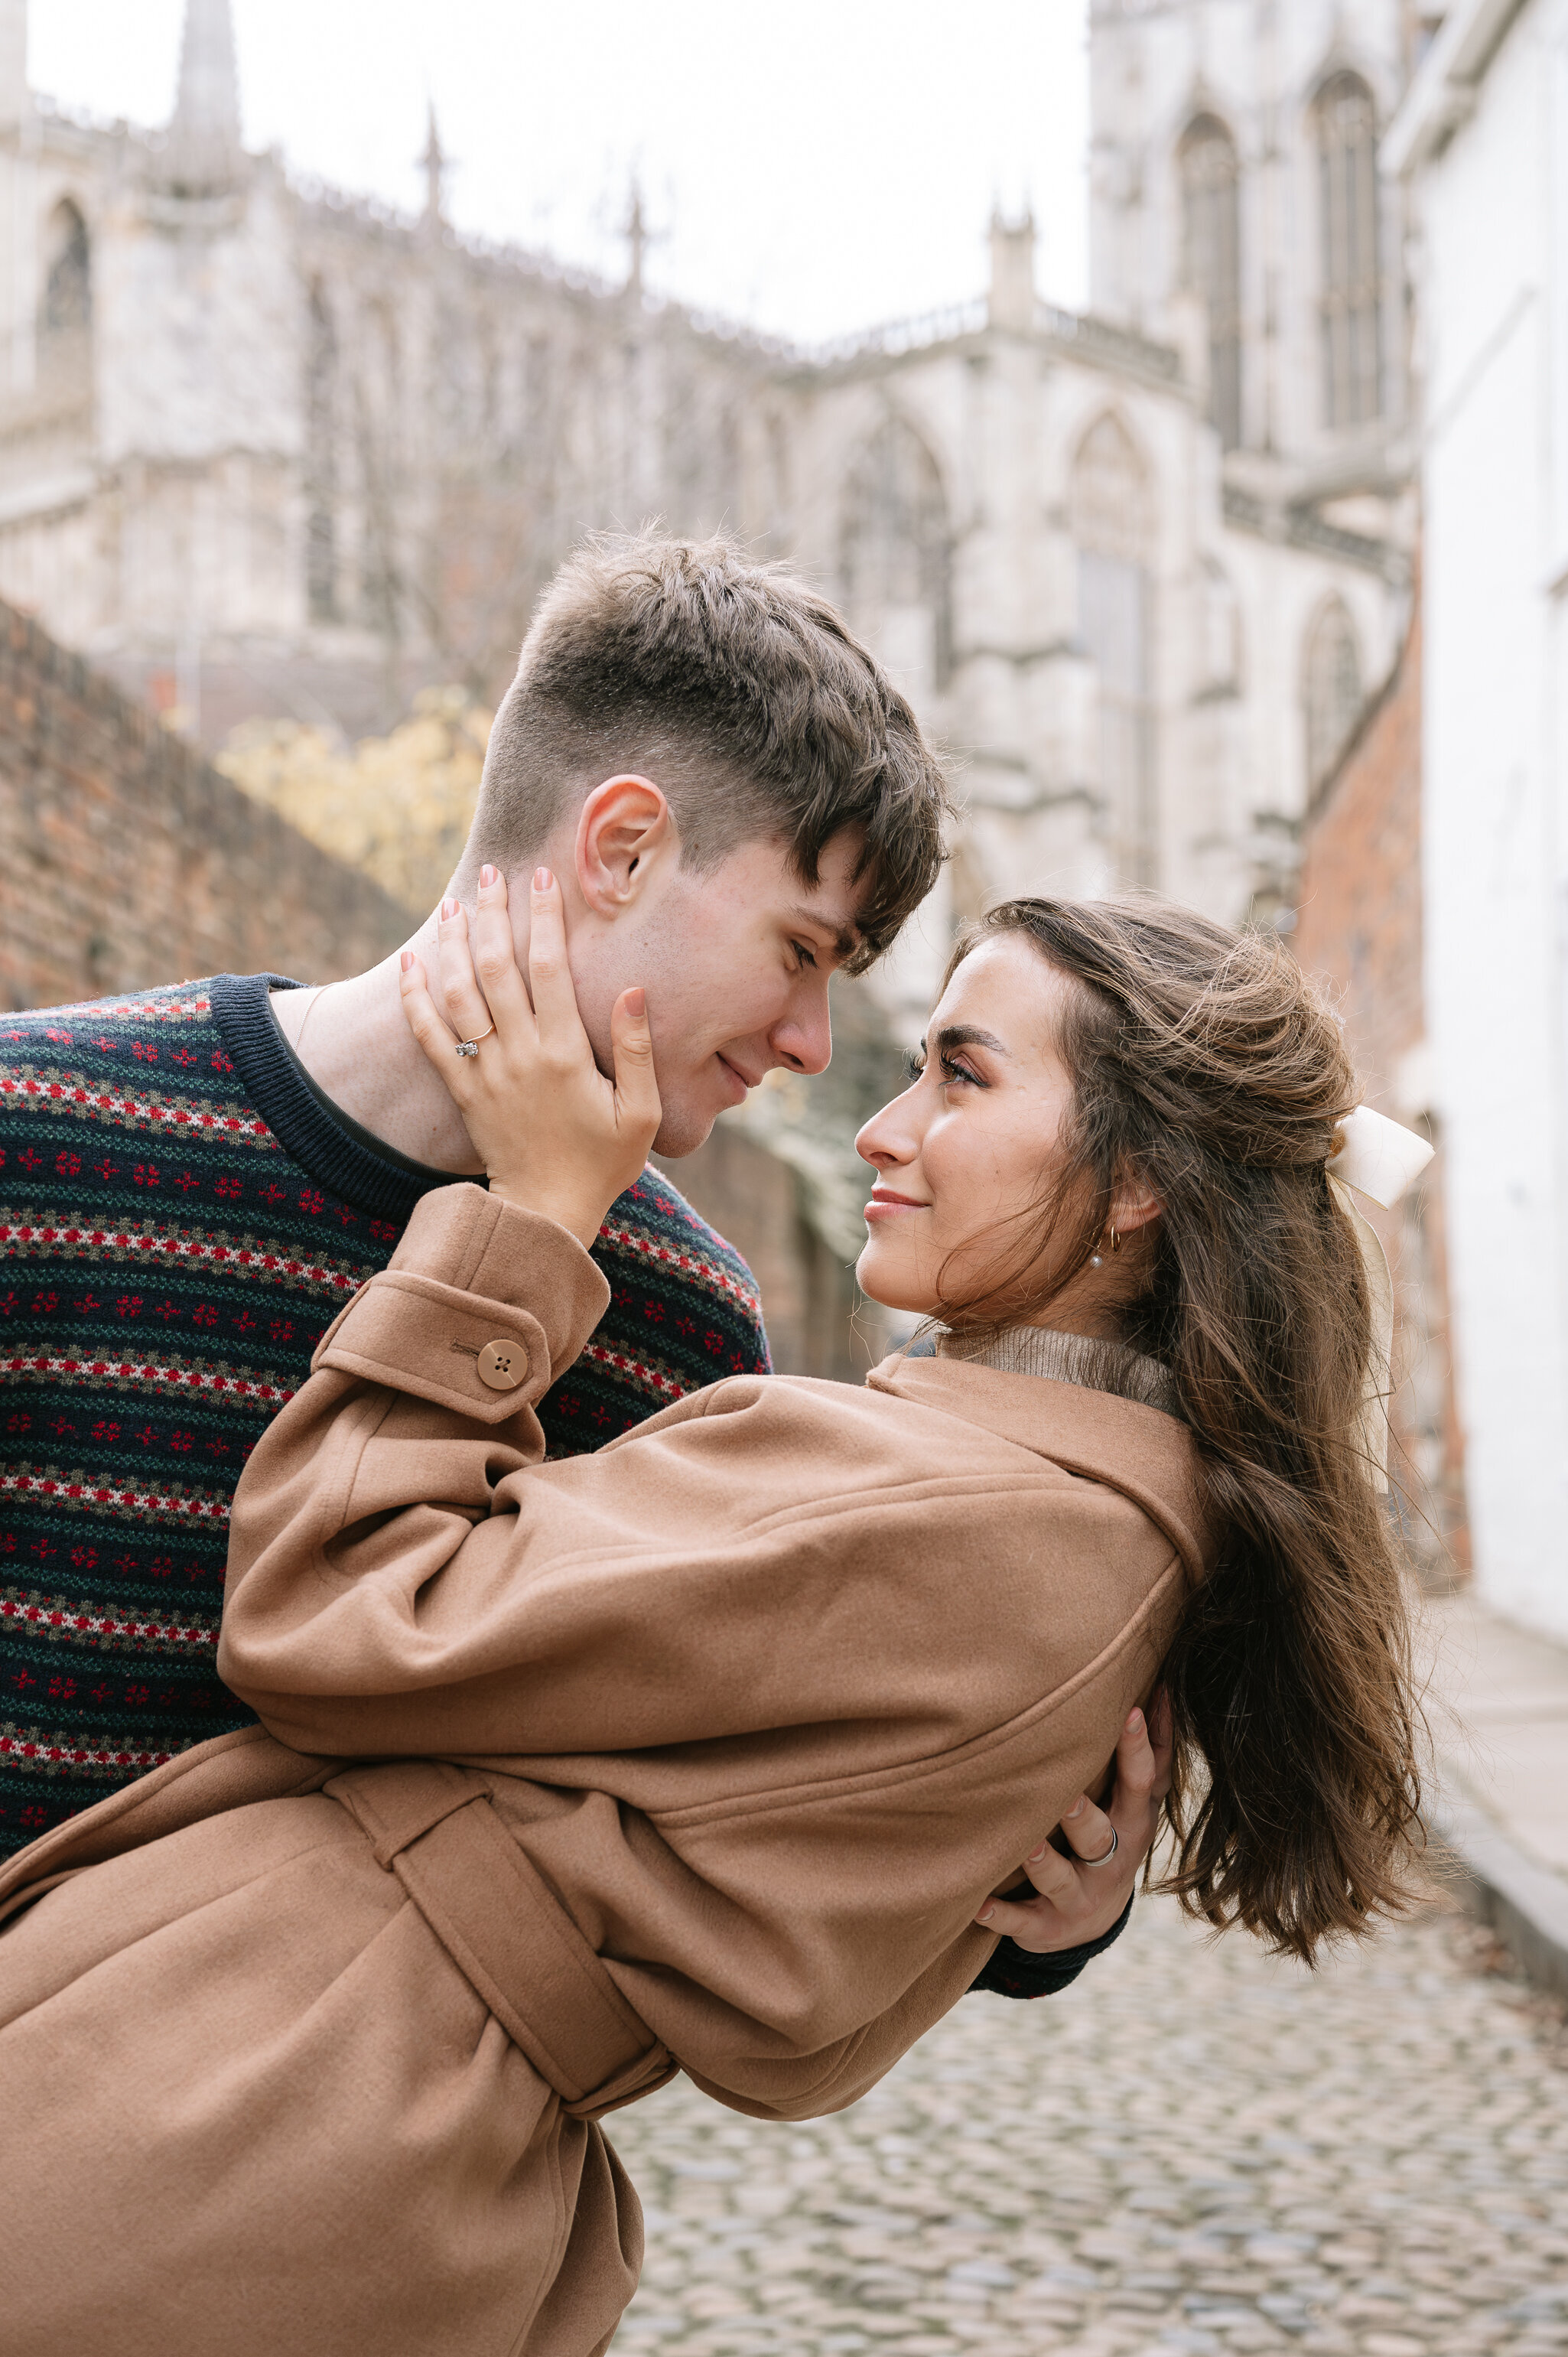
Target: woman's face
[975,1140]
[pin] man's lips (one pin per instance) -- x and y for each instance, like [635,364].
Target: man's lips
[886,1205]
[742,1084]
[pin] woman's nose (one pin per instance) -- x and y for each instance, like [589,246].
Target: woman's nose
[885,1142]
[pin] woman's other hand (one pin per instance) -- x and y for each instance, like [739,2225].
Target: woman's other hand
[1075,1899]
[554,1135]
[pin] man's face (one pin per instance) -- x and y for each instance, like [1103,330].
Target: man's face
[736,962]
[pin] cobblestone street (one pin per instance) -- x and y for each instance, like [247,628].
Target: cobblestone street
[1193,2150]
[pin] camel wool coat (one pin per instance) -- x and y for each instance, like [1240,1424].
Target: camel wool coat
[701,1752]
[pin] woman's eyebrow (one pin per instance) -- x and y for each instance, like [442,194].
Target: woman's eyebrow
[968,1035]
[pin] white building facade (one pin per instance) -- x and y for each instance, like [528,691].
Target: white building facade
[1482,142]
[264,447]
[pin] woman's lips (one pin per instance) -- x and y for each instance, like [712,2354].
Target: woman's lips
[885,1207]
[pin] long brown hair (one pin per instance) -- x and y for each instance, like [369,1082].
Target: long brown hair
[1206,1068]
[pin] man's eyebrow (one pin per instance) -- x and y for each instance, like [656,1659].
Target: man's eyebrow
[968,1035]
[846,942]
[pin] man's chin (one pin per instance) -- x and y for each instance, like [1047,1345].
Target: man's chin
[682,1129]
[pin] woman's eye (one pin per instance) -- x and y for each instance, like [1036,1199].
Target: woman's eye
[951,1071]
[913,1068]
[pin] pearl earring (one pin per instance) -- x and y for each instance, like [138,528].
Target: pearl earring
[1097,1259]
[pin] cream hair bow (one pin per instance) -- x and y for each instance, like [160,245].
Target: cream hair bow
[1380,1159]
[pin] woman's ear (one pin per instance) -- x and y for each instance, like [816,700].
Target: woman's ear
[1132,1206]
[624,830]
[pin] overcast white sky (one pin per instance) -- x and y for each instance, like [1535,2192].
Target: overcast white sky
[812,167]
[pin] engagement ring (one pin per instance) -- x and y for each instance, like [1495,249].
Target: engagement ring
[471,1046]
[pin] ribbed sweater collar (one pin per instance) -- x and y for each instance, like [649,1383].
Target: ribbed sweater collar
[1093,1364]
[338,1154]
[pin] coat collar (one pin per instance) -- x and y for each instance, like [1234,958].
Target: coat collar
[1149,1456]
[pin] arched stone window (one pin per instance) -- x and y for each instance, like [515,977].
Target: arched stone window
[895,557]
[1220,623]
[1211,260]
[1331,689]
[1345,123]
[1110,519]
[376,386]
[65,312]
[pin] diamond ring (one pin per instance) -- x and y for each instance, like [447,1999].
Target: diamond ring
[471,1046]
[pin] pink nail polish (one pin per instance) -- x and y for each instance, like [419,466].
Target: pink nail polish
[449,908]
[488,875]
[1035,1854]
[405,960]
[542,879]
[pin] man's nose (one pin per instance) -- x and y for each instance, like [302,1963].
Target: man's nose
[804,1041]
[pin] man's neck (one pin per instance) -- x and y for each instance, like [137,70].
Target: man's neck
[353,1041]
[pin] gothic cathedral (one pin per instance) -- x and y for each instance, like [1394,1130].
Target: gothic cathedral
[1139,569]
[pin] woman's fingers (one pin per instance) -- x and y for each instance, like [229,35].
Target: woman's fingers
[495,958]
[562,1038]
[1031,1922]
[637,1088]
[1091,1834]
[1162,1737]
[466,1005]
[419,1011]
[1137,1772]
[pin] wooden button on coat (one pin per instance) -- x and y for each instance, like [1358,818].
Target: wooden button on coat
[503,1365]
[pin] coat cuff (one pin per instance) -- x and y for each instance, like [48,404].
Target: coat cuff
[481,1306]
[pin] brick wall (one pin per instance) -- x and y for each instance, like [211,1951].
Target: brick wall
[125,860]
[1360,931]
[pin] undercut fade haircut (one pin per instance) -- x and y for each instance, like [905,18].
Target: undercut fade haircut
[742,695]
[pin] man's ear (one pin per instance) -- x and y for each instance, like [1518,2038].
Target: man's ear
[624,830]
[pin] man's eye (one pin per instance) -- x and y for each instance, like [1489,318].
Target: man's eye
[804,951]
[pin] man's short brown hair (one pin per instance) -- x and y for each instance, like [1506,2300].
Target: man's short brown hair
[741,694]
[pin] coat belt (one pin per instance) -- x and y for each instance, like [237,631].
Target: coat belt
[431,1826]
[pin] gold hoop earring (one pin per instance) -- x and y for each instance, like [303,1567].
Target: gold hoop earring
[1116,1241]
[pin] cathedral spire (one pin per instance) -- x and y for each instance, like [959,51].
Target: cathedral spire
[204,153]
[433,162]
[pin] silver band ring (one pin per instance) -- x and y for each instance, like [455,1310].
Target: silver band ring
[1106,1853]
[471,1046]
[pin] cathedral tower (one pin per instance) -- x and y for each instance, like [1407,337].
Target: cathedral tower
[12,61]
[1236,209]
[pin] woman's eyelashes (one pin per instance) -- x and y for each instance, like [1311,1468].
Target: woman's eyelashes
[915,1065]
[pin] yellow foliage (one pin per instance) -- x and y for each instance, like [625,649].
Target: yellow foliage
[397,806]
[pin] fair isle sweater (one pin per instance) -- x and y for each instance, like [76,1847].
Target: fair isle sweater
[181,1214]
